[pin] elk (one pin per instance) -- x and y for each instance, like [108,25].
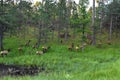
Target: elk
[77,48]
[5,52]
[39,52]
[20,49]
[71,47]
[45,49]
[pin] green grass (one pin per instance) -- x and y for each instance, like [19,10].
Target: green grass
[61,64]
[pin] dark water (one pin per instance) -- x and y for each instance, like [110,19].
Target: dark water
[17,70]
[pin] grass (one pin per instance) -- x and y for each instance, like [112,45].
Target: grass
[61,64]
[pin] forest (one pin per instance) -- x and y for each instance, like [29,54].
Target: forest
[59,40]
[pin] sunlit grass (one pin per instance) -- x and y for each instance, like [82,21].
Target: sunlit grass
[61,64]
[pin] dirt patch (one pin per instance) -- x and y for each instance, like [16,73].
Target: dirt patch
[16,70]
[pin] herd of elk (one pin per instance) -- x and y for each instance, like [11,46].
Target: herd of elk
[71,47]
[76,48]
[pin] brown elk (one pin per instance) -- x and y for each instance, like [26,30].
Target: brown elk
[45,48]
[71,47]
[20,49]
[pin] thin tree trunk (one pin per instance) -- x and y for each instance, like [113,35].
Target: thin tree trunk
[59,24]
[1,42]
[66,33]
[117,27]
[1,30]
[110,30]
[45,32]
[67,16]
[101,22]
[83,35]
[101,25]
[39,35]
[93,24]
[52,34]
[1,38]
[24,32]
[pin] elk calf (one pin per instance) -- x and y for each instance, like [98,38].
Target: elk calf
[45,49]
[71,47]
[39,52]
[77,48]
[4,52]
[20,49]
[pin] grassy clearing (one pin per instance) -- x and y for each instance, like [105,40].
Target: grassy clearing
[61,64]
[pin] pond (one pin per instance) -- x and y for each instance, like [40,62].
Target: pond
[18,70]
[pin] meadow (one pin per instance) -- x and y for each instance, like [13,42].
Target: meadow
[61,64]
[59,40]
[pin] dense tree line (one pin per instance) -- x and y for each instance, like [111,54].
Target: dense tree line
[50,16]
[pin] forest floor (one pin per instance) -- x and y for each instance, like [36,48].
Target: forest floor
[61,64]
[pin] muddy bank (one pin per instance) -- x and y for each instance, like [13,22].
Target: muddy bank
[17,70]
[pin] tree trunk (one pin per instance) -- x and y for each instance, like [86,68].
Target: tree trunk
[1,30]
[93,24]
[1,42]
[52,34]
[110,30]
[1,38]
[66,33]
[59,24]
[101,22]
[83,35]
[67,17]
